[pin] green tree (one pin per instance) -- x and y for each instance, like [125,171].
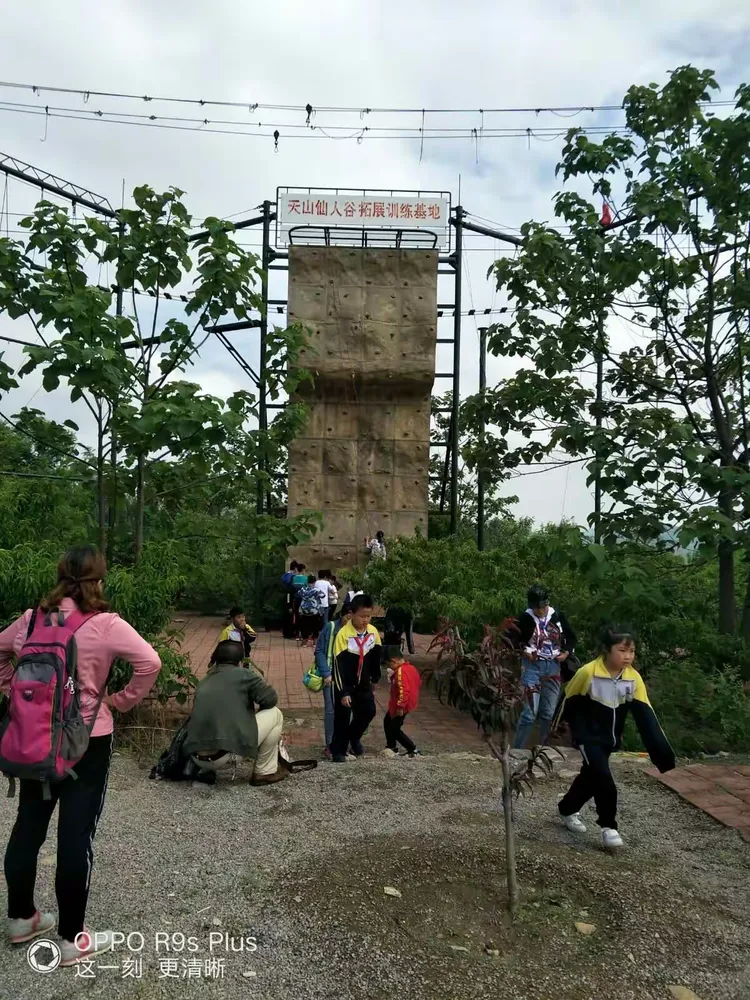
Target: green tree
[495,506]
[126,360]
[659,298]
[486,681]
[46,493]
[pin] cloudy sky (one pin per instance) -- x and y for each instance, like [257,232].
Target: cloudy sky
[388,54]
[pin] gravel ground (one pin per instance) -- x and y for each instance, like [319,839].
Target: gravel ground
[302,867]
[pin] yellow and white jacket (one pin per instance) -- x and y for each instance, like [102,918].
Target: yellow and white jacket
[356,659]
[596,706]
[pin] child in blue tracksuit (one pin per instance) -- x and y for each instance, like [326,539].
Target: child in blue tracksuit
[324,664]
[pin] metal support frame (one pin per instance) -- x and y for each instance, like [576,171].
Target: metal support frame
[232,350]
[29,174]
[451,468]
[262,401]
[458,217]
[480,473]
[598,423]
[273,260]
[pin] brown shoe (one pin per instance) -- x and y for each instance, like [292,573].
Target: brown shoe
[269,779]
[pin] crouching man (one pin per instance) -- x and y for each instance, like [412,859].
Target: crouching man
[225,725]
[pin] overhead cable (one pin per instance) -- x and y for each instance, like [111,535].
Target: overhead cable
[309,110]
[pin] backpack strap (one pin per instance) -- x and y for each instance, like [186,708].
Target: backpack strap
[74,621]
[98,706]
[294,766]
[32,622]
[331,637]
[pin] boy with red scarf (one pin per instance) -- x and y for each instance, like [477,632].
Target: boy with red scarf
[356,667]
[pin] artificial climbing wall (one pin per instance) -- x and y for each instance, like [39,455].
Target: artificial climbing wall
[363,458]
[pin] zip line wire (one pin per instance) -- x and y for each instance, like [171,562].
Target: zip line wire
[417,130]
[310,110]
[314,132]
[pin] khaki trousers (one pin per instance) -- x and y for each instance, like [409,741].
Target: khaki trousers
[270,722]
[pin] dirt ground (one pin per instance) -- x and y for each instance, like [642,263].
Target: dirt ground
[302,868]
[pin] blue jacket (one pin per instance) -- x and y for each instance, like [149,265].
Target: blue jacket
[322,662]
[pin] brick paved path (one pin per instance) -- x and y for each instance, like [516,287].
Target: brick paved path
[199,639]
[433,726]
[721,790]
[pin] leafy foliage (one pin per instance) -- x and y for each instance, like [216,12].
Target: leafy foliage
[496,507]
[670,600]
[128,364]
[143,595]
[660,298]
[487,680]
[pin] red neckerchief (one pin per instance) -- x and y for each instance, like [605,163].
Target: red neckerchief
[360,641]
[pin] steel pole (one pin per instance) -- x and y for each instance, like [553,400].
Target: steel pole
[262,401]
[480,470]
[598,422]
[112,512]
[455,438]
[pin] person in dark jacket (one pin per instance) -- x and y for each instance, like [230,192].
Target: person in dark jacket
[356,667]
[224,725]
[547,640]
[597,700]
[399,623]
[287,579]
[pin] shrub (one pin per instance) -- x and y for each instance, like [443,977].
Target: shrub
[176,679]
[143,595]
[699,710]
[27,573]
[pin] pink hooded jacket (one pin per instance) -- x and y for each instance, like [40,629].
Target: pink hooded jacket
[101,640]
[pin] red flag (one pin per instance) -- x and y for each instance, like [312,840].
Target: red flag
[606,218]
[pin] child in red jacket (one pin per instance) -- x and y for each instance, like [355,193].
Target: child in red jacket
[405,685]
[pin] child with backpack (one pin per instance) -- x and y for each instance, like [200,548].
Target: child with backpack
[310,613]
[405,683]
[63,652]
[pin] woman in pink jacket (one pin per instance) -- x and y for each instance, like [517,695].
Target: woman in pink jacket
[102,639]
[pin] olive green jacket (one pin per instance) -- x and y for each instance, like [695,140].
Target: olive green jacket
[224,711]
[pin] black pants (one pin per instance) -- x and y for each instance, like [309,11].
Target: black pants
[392,725]
[289,628]
[594,781]
[350,724]
[310,626]
[81,802]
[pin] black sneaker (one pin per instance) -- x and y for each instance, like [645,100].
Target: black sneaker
[356,748]
[414,755]
[339,758]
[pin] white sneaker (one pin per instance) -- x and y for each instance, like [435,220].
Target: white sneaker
[390,754]
[21,931]
[86,945]
[574,823]
[611,839]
